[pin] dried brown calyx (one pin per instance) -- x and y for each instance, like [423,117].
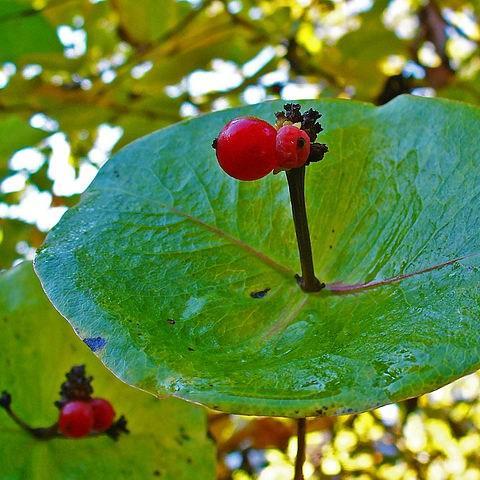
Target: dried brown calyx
[309,122]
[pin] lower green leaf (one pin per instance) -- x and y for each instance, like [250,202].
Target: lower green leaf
[167,437]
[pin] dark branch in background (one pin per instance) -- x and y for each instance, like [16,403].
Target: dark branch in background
[248,81]
[433,28]
[144,50]
[301,63]
[99,89]
[247,24]
[394,86]
[411,405]
[300,458]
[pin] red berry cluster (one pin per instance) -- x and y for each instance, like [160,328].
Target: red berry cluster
[79,419]
[80,414]
[249,148]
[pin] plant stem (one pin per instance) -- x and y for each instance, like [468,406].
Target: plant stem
[39,433]
[46,433]
[296,185]
[300,459]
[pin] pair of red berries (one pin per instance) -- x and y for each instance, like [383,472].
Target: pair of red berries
[249,148]
[79,418]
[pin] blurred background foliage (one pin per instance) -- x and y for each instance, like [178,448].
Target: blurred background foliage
[81,78]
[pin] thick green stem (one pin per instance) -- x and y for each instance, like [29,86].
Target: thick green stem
[296,185]
[300,459]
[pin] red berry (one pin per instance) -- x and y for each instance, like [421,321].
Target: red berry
[293,147]
[246,148]
[103,414]
[76,419]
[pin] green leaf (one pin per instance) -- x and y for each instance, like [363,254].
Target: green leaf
[24,31]
[142,21]
[13,231]
[16,133]
[163,234]
[38,347]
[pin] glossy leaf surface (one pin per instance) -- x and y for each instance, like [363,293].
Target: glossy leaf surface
[165,258]
[168,437]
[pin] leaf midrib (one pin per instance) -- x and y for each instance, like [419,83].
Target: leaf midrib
[267,260]
[334,287]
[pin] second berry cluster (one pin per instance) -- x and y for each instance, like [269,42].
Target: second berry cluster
[80,414]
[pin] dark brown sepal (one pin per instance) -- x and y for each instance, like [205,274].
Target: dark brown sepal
[292,112]
[317,152]
[117,428]
[77,386]
[310,124]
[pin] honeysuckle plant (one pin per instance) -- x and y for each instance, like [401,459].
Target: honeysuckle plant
[249,148]
[190,277]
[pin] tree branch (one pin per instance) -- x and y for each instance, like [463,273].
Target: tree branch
[300,459]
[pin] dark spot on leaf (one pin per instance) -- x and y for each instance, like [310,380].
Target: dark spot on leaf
[189,460]
[330,247]
[260,293]
[333,231]
[171,321]
[215,407]
[156,473]
[95,343]
[190,349]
